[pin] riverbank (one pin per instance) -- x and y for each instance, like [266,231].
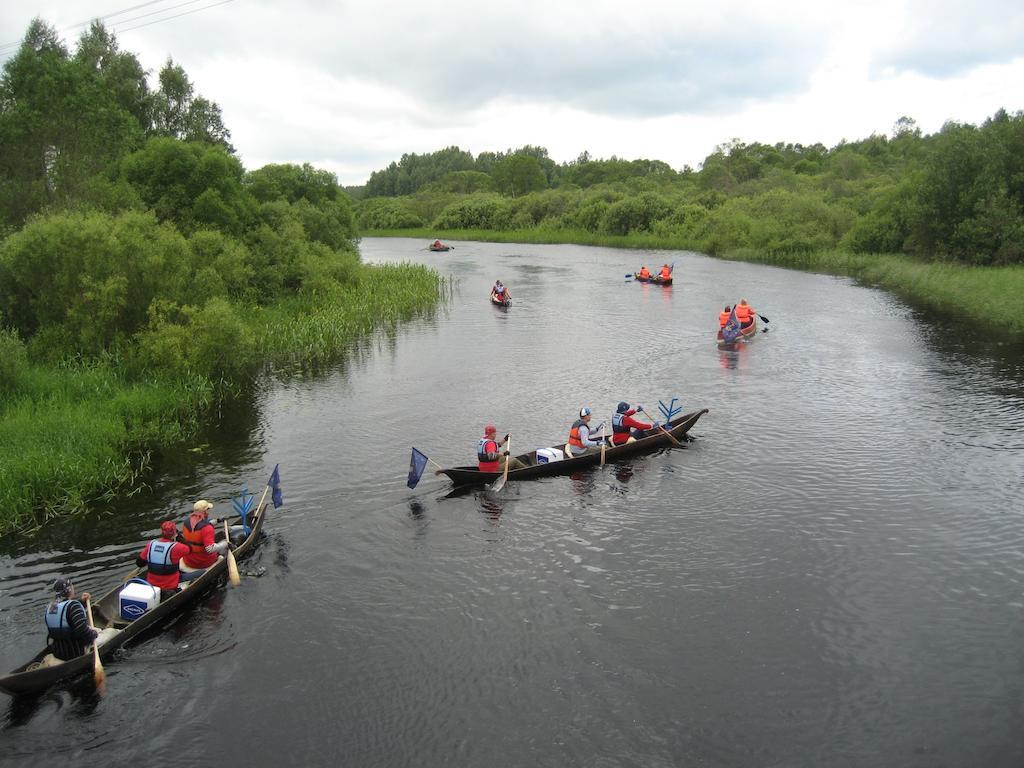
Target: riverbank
[992,297]
[72,436]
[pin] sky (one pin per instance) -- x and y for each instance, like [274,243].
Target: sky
[351,86]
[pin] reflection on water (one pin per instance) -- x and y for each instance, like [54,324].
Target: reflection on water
[830,573]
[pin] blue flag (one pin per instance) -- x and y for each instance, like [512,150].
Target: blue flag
[731,330]
[417,464]
[275,487]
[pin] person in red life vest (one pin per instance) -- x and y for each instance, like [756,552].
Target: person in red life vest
[579,441]
[68,631]
[744,313]
[200,534]
[437,243]
[666,272]
[723,316]
[625,427]
[490,457]
[161,557]
[644,273]
[499,291]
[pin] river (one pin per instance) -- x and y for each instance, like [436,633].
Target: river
[830,574]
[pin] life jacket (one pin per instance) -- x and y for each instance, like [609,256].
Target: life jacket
[723,318]
[193,536]
[499,291]
[644,272]
[487,461]
[618,428]
[574,434]
[57,623]
[666,273]
[158,559]
[197,557]
[743,313]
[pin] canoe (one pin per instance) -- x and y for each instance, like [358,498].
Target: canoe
[546,467]
[440,247]
[116,631]
[746,333]
[506,302]
[655,279]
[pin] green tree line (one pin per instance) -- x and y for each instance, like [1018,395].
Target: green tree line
[956,195]
[145,272]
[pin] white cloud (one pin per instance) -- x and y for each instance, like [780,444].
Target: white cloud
[351,86]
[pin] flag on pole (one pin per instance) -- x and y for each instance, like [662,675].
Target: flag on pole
[731,330]
[417,464]
[275,487]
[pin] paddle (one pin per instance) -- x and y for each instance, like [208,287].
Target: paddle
[670,435]
[602,445]
[497,485]
[98,675]
[233,576]
[763,317]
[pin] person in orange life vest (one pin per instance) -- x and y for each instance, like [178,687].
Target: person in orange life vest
[67,627]
[723,316]
[579,434]
[644,273]
[666,272]
[200,534]
[623,422]
[161,557]
[744,313]
[490,457]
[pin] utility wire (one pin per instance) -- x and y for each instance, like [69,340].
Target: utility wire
[9,47]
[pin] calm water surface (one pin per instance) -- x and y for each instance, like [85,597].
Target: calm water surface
[831,573]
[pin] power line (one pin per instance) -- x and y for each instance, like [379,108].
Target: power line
[8,47]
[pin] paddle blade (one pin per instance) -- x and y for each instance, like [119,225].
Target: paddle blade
[98,675]
[233,576]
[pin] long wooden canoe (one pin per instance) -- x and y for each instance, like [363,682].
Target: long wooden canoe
[652,440]
[32,677]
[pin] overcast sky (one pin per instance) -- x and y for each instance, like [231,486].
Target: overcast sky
[351,86]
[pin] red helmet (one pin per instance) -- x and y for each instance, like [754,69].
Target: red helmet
[168,528]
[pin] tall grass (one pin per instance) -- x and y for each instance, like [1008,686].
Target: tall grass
[76,433]
[312,330]
[73,434]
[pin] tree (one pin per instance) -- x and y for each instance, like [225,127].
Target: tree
[60,125]
[518,174]
[180,114]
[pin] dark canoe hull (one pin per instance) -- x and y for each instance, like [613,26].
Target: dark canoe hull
[655,279]
[28,680]
[652,441]
[745,333]
[442,248]
[500,302]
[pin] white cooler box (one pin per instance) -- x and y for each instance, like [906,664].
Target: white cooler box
[547,455]
[137,597]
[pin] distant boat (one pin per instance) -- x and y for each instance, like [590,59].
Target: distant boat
[745,332]
[437,245]
[501,302]
[656,279]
